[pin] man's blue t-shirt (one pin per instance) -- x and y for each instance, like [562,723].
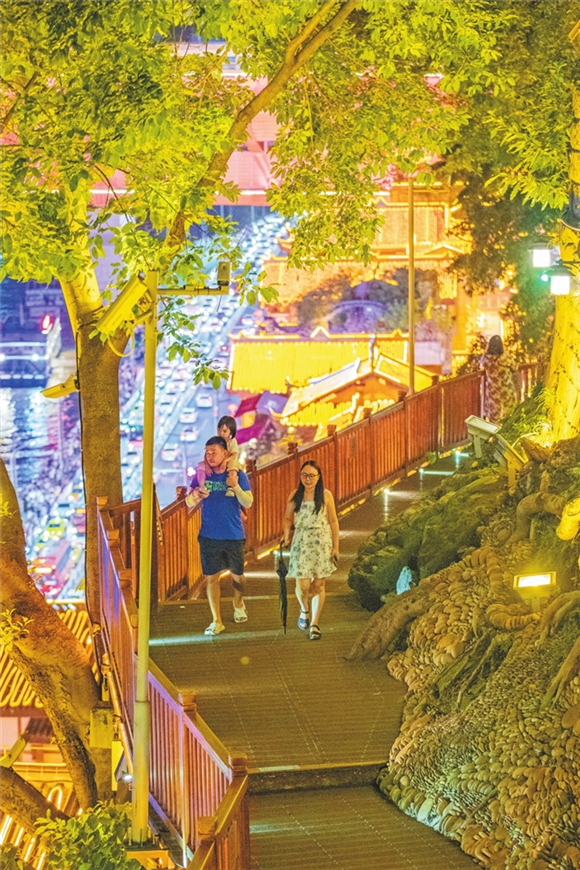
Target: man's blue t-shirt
[221,515]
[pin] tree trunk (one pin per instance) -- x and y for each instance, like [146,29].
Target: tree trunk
[98,371]
[563,379]
[23,802]
[51,658]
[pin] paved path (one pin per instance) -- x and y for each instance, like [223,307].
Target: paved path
[315,728]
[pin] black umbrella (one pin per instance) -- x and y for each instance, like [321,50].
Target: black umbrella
[282,571]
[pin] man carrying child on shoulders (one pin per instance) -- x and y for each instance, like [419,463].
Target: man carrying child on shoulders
[222,536]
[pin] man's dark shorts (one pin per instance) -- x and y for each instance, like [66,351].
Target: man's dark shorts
[217,556]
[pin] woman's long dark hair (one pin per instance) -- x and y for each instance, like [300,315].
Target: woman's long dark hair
[298,496]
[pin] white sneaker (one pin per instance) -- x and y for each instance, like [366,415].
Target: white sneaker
[215,628]
[240,614]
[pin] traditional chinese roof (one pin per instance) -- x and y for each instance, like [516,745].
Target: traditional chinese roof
[395,371]
[276,362]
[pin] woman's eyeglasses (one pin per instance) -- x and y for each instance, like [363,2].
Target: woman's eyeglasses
[308,476]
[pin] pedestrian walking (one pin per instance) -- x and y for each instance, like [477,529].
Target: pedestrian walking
[222,536]
[500,393]
[314,551]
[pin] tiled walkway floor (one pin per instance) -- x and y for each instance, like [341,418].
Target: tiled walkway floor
[287,702]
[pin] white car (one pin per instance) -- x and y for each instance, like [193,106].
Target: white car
[188,416]
[170,452]
[204,400]
[190,433]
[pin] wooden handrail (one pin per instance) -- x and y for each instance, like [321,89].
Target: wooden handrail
[185,753]
[397,439]
[233,798]
[205,857]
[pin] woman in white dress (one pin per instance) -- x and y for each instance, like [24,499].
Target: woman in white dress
[314,550]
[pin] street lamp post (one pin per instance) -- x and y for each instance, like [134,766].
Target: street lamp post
[411,293]
[140,832]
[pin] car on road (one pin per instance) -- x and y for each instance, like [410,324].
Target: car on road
[79,520]
[247,320]
[166,401]
[136,436]
[170,452]
[64,509]
[190,433]
[50,569]
[55,529]
[204,400]
[188,415]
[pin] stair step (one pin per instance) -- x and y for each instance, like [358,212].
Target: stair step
[316,776]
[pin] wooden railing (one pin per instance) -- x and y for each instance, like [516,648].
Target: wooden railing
[355,462]
[196,786]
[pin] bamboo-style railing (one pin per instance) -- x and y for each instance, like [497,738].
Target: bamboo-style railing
[196,786]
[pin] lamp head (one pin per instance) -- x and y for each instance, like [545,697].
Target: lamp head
[223,273]
[533,588]
[541,256]
[560,279]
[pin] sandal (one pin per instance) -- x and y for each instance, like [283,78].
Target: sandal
[315,633]
[303,621]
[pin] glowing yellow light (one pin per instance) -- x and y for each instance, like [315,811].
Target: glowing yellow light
[531,581]
[5,828]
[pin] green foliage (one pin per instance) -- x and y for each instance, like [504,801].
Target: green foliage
[9,859]
[12,628]
[95,840]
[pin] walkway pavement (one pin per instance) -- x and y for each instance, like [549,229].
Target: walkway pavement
[315,728]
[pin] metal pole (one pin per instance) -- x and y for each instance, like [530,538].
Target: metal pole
[411,294]
[140,832]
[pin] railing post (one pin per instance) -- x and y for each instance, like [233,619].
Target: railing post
[331,433]
[187,707]
[368,416]
[252,521]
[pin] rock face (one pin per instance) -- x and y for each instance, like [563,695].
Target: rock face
[428,536]
[489,747]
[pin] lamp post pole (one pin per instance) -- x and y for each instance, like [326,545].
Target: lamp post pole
[140,832]
[411,294]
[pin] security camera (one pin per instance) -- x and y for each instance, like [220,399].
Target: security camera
[60,390]
[480,431]
[122,308]
[223,273]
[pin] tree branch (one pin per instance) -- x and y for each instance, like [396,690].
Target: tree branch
[13,107]
[295,57]
[23,801]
